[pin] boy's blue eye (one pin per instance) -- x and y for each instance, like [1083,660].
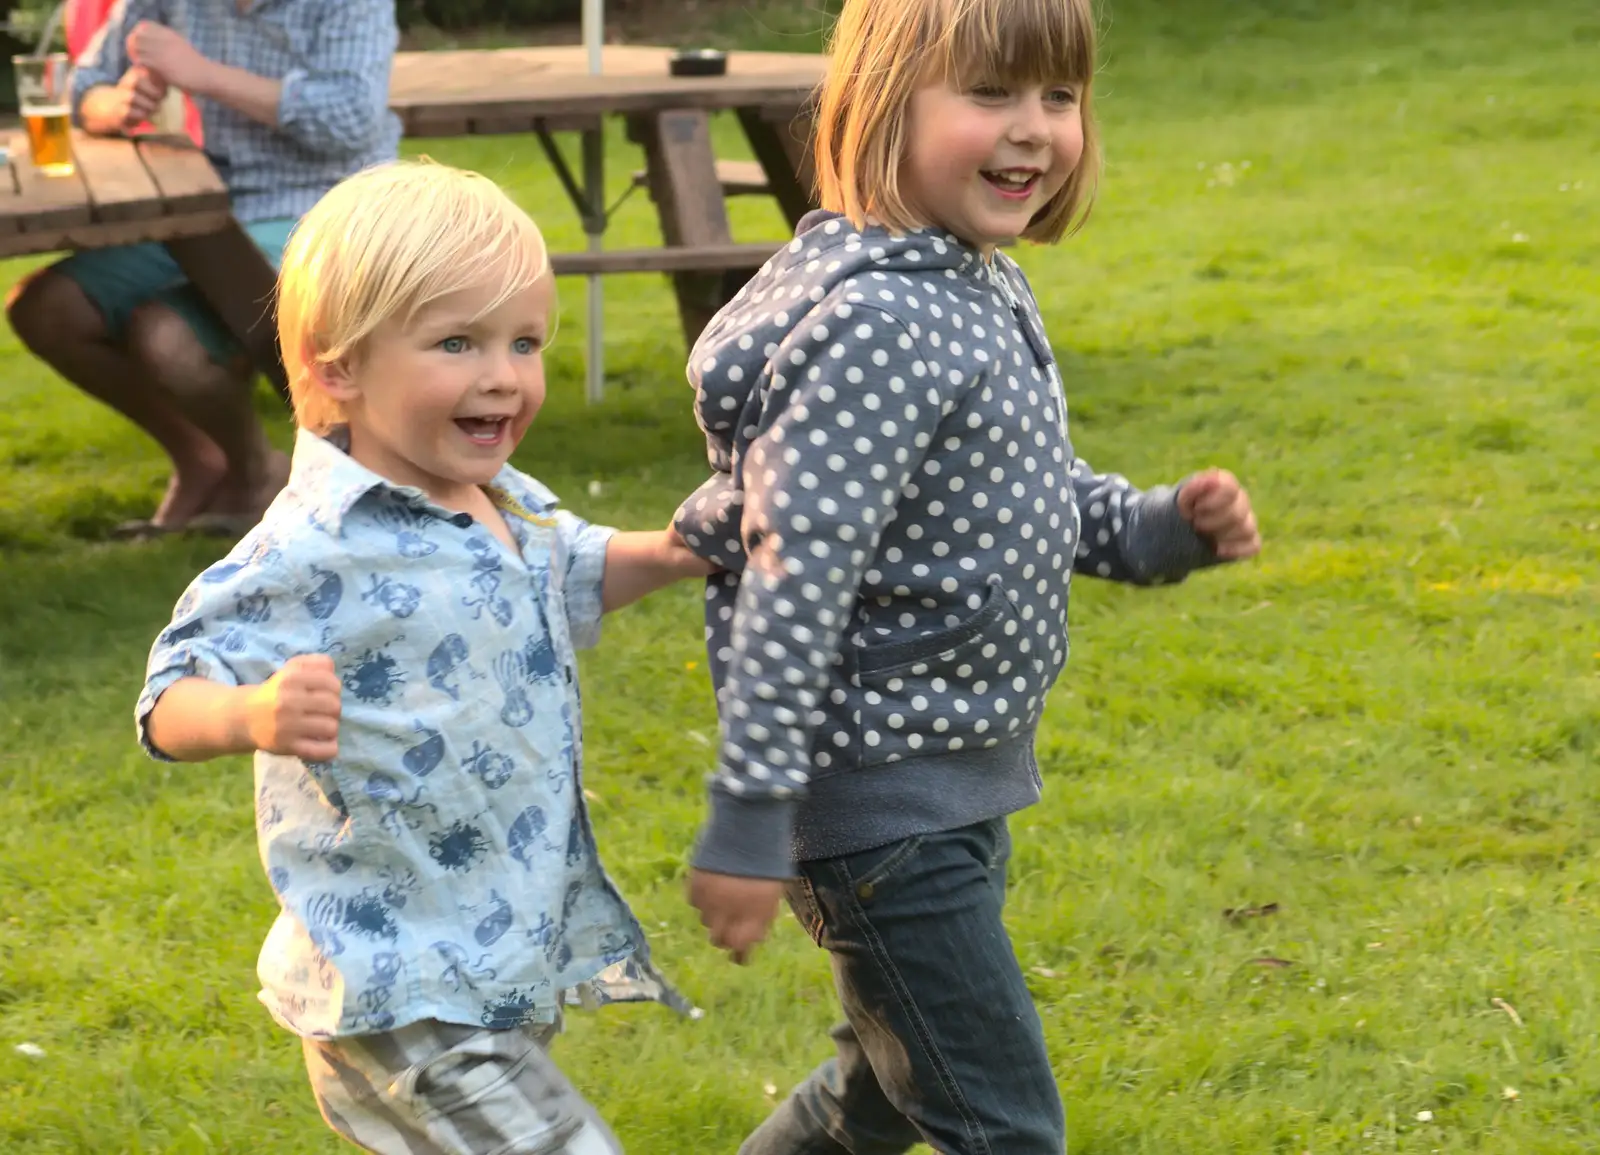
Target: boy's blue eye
[527,345]
[454,344]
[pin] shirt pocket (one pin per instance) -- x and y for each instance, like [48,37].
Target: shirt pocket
[963,688]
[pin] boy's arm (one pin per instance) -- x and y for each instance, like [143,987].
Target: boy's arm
[641,563]
[294,712]
[224,676]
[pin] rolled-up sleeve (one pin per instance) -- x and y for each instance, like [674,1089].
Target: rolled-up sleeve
[584,547]
[334,101]
[235,625]
[106,57]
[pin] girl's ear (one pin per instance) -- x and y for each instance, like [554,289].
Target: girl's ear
[333,377]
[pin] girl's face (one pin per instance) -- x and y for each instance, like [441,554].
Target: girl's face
[984,158]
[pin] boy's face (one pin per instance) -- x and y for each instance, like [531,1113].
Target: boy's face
[984,158]
[440,402]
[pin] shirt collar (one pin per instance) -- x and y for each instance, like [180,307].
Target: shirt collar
[329,483]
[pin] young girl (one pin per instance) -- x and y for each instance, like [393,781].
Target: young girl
[902,507]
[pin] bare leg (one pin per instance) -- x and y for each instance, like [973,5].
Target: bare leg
[217,400]
[53,318]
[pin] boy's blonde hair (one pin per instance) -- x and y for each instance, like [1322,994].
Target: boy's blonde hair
[381,245]
[882,51]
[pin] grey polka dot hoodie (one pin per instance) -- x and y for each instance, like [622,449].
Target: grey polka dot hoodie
[901,512]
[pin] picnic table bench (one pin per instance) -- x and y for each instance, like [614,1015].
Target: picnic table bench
[152,188]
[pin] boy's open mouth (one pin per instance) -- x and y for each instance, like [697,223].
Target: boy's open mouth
[1013,182]
[483,430]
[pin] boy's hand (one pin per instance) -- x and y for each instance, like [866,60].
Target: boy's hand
[736,911]
[684,559]
[296,711]
[1219,509]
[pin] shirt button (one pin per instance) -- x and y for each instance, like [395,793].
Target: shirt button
[864,891]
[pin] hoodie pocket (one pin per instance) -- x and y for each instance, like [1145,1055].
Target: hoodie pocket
[969,687]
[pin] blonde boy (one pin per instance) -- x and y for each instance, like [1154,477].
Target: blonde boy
[394,642]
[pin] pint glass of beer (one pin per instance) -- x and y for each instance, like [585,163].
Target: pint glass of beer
[45,105]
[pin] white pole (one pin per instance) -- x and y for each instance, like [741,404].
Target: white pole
[594,30]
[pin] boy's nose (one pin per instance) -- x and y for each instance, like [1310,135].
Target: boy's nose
[501,374]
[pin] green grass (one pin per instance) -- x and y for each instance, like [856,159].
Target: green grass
[1351,252]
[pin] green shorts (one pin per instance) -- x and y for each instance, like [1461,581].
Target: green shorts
[120,279]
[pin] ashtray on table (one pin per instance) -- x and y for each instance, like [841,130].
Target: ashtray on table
[699,62]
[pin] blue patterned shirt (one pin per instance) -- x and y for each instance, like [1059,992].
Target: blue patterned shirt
[333,57]
[443,866]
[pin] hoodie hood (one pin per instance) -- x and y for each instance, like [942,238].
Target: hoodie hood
[730,362]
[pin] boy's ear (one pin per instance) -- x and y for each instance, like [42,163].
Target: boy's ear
[333,377]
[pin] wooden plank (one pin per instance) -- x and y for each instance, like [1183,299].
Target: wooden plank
[182,173]
[682,174]
[238,282]
[93,236]
[737,178]
[120,188]
[497,72]
[681,171]
[680,259]
[44,203]
[781,140]
[426,113]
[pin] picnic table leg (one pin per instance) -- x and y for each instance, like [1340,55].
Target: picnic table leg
[594,224]
[781,139]
[238,281]
[681,169]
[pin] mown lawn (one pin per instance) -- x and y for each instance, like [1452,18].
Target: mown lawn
[1351,252]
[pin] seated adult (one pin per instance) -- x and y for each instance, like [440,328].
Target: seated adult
[293,97]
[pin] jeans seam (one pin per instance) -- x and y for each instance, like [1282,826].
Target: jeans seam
[925,1041]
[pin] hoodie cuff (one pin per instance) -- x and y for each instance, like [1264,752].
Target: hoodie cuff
[1162,546]
[747,837]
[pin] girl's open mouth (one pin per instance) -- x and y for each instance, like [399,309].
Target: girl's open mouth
[1013,184]
[484,430]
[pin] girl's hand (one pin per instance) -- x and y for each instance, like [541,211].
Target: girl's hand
[736,912]
[1219,509]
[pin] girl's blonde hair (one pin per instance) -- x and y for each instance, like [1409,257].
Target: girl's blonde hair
[882,51]
[383,244]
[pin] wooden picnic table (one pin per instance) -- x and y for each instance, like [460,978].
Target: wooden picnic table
[153,188]
[549,90]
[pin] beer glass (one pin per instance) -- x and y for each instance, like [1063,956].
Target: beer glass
[45,105]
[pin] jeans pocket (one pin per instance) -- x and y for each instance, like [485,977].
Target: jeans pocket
[833,895]
[868,874]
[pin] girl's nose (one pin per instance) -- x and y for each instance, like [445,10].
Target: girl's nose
[1031,124]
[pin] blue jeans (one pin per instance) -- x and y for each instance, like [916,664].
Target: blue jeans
[941,1042]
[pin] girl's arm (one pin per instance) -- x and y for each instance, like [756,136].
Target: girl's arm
[863,404]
